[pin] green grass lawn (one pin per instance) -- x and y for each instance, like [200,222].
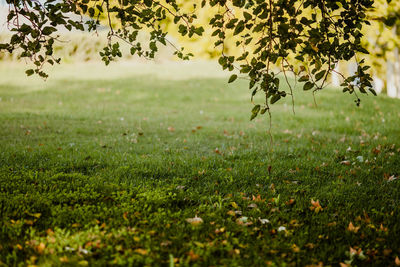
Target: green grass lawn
[104,167]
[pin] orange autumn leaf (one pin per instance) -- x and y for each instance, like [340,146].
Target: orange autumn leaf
[352,228]
[258,198]
[316,206]
[290,202]
[397,261]
[354,251]
[193,256]
[384,229]
[40,248]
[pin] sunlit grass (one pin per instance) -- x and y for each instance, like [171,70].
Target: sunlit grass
[114,160]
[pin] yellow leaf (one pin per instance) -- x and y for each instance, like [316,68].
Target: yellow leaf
[83,263]
[63,259]
[141,251]
[231,213]
[201,245]
[234,205]
[125,215]
[314,47]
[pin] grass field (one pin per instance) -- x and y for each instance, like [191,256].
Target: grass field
[105,167]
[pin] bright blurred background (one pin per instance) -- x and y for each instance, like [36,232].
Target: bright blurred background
[382,39]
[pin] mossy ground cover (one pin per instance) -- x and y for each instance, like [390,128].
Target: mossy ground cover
[98,168]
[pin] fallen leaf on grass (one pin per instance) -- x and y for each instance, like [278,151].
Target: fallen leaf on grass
[384,229]
[258,198]
[231,213]
[352,228]
[141,251]
[263,221]
[387,251]
[345,162]
[316,206]
[193,256]
[166,243]
[397,261]
[195,221]
[234,205]
[244,221]
[295,248]
[281,228]
[290,202]
[40,248]
[320,264]
[310,246]
[63,259]
[376,150]
[357,252]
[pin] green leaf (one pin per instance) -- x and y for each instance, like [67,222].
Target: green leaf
[48,30]
[247,16]
[256,109]
[275,98]
[233,78]
[372,91]
[308,86]
[29,72]
[304,78]
[320,75]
